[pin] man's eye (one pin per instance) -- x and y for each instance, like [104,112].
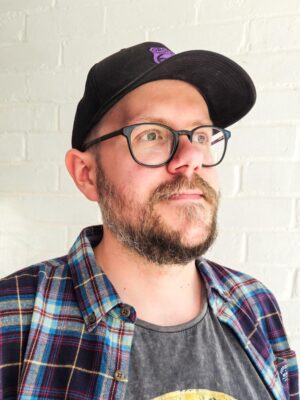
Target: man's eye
[150,136]
[200,138]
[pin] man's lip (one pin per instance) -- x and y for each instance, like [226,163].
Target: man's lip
[186,196]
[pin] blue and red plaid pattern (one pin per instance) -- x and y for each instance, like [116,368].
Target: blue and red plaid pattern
[63,334]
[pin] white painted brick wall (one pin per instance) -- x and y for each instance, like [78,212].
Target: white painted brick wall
[29,56]
[29,178]
[275,33]
[255,212]
[263,142]
[274,248]
[47,47]
[205,35]
[28,117]
[275,178]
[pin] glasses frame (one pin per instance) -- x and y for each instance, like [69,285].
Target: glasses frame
[127,130]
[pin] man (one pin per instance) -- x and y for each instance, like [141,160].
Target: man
[134,311]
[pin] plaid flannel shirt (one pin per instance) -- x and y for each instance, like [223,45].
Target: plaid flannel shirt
[65,333]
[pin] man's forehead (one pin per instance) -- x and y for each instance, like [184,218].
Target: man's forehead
[160,119]
[154,102]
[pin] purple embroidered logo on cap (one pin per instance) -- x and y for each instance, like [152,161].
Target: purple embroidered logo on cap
[161,54]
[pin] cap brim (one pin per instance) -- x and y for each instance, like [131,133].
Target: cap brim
[226,87]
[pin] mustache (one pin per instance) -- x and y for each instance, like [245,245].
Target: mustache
[181,183]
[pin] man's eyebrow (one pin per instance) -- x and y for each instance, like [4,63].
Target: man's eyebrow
[161,120]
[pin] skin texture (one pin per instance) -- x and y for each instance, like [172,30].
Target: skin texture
[141,228]
[180,198]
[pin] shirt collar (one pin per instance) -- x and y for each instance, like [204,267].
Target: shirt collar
[95,294]
[214,278]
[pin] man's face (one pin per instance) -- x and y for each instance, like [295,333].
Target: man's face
[165,214]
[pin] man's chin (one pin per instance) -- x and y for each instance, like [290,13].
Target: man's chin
[193,239]
[184,215]
[164,245]
[191,231]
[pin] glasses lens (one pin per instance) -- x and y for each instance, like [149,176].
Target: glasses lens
[211,143]
[151,144]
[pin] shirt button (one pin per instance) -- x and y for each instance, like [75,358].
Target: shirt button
[125,311]
[119,376]
[92,318]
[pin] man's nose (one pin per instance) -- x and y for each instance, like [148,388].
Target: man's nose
[187,159]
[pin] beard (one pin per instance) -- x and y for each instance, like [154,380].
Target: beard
[141,229]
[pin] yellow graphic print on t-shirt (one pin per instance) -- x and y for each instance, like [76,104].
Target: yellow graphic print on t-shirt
[194,394]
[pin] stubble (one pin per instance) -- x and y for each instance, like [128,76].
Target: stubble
[141,229]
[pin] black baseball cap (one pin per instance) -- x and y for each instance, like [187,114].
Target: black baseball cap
[226,87]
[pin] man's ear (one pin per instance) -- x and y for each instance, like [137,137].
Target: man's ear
[82,168]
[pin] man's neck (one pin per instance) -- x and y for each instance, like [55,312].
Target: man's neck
[161,294]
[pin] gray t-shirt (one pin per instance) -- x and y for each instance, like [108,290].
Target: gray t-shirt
[201,359]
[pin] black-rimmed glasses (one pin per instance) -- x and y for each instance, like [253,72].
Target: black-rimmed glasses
[154,145]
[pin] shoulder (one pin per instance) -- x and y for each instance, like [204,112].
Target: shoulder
[252,303]
[242,289]
[28,277]
[18,291]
